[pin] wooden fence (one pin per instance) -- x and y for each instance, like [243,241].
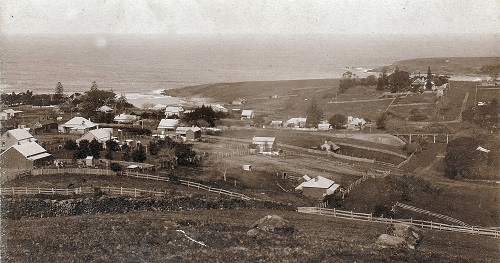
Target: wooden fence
[80,171]
[189,184]
[416,223]
[362,179]
[80,190]
[422,211]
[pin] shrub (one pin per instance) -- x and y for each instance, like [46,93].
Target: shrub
[116,167]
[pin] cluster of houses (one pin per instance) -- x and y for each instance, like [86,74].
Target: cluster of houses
[20,151]
[353,123]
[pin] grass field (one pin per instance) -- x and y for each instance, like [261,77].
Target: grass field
[154,237]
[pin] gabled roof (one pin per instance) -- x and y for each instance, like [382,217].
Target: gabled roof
[20,134]
[125,117]
[11,111]
[258,139]
[297,120]
[100,134]
[246,112]
[183,130]
[31,150]
[167,123]
[318,182]
[80,122]
[174,109]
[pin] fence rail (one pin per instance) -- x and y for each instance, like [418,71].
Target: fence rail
[80,190]
[417,223]
[422,211]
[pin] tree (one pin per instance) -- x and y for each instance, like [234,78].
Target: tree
[139,155]
[59,92]
[314,114]
[461,155]
[70,145]
[399,80]
[428,83]
[95,148]
[382,121]
[204,113]
[93,99]
[109,154]
[153,148]
[126,154]
[383,80]
[348,81]
[112,145]
[338,121]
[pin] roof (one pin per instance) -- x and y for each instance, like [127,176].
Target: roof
[263,139]
[11,111]
[174,109]
[79,122]
[182,130]
[318,182]
[167,123]
[276,122]
[246,112]
[105,108]
[158,107]
[31,150]
[100,134]
[125,117]
[296,120]
[20,134]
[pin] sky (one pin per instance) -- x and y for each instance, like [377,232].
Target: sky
[167,17]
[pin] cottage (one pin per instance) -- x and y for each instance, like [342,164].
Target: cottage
[329,146]
[325,126]
[125,118]
[189,133]
[44,124]
[219,108]
[247,167]
[318,187]
[296,122]
[355,123]
[101,135]
[24,156]
[264,144]
[174,111]
[8,114]
[167,125]
[276,123]
[77,125]
[247,114]
[16,136]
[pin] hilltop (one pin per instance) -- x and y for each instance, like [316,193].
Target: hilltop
[444,65]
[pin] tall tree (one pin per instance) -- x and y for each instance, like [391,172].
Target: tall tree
[461,155]
[399,80]
[314,114]
[59,92]
[93,99]
[428,83]
[338,121]
[139,155]
[383,80]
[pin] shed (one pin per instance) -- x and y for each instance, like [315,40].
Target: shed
[264,144]
[247,167]
[89,161]
[24,156]
[318,187]
[247,114]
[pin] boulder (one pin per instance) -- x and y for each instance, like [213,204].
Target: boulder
[388,240]
[271,224]
[411,235]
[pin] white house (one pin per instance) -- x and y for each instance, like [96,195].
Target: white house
[264,144]
[78,125]
[325,126]
[8,114]
[189,133]
[167,125]
[247,114]
[318,187]
[296,122]
[174,110]
[125,118]
[14,137]
[101,135]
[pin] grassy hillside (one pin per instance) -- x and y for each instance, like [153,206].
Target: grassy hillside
[154,237]
[445,65]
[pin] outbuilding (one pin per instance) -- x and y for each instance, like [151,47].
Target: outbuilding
[318,187]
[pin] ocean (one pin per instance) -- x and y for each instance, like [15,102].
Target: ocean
[142,66]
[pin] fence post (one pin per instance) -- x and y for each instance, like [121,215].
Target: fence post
[53,192]
[351,214]
[135,192]
[121,190]
[26,190]
[334,212]
[38,189]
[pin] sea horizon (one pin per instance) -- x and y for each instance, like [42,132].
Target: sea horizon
[147,64]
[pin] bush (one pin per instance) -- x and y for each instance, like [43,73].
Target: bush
[70,145]
[116,167]
[384,211]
